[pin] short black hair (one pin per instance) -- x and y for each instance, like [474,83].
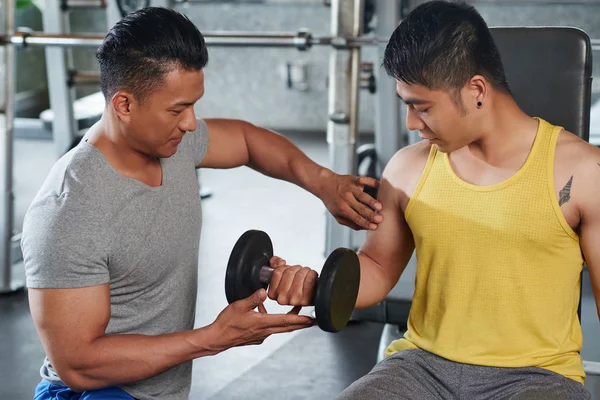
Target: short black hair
[441,45]
[143,47]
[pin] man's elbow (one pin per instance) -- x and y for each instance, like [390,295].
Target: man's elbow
[370,299]
[76,379]
[376,281]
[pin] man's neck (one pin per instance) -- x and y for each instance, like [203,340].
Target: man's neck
[107,137]
[505,131]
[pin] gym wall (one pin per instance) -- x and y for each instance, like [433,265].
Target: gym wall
[250,83]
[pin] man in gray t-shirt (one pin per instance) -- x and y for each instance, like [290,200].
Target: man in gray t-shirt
[110,242]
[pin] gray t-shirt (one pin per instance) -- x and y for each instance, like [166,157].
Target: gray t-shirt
[90,225]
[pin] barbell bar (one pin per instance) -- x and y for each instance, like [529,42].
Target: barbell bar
[301,40]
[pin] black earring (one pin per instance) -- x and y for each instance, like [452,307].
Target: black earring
[479,104]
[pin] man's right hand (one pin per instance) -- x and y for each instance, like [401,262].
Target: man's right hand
[239,324]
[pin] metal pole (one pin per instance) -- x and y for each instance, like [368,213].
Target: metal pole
[591,367]
[83,78]
[55,40]
[390,131]
[7,107]
[342,127]
[113,14]
[354,82]
[84,4]
[302,40]
[64,124]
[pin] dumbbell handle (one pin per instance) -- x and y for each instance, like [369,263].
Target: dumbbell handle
[265,274]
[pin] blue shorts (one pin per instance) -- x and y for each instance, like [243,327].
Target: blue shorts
[48,391]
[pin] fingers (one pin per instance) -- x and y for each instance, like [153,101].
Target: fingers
[275,262]
[290,327]
[309,286]
[302,289]
[348,223]
[274,283]
[293,285]
[366,212]
[365,198]
[295,310]
[372,204]
[241,325]
[370,200]
[262,325]
[287,329]
[367,181]
[278,326]
[358,209]
[281,280]
[352,213]
[255,343]
[250,303]
[278,323]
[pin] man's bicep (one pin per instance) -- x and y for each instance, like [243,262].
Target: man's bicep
[391,244]
[589,239]
[227,144]
[586,195]
[69,319]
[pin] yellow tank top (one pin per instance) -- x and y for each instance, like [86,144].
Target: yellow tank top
[498,268]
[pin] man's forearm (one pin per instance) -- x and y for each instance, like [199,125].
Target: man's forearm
[276,156]
[120,359]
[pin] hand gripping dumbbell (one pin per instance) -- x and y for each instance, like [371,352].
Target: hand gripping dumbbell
[336,289]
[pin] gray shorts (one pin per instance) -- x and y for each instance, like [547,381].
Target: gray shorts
[420,375]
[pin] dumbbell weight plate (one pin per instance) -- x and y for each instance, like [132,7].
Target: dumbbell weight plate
[337,290]
[251,252]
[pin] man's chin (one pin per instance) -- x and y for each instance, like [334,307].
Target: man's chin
[444,147]
[166,153]
[441,149]
[170,149]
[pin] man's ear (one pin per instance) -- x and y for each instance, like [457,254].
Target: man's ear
[478,91]
[123,102]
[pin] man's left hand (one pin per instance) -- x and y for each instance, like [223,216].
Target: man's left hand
[345,199]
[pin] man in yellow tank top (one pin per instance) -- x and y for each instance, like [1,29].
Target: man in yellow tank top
[501,208]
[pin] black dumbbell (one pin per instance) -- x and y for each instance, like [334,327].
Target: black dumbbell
[336,289]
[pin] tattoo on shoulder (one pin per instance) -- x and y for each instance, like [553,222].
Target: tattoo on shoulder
[565,194]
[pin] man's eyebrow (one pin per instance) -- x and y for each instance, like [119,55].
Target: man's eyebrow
[184,103]
[412,100]
[187,103]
